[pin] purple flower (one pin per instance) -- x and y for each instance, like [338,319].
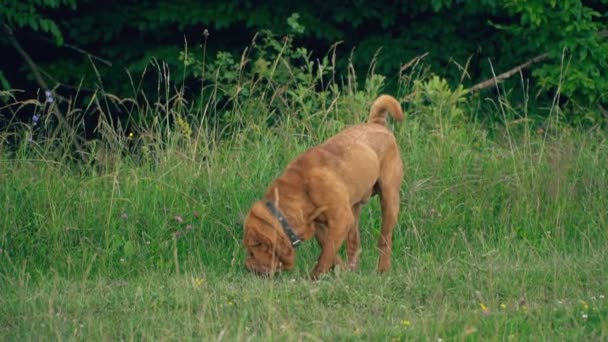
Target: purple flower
[35,119]
[49,96]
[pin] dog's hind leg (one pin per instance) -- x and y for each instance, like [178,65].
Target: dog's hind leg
[389,186]
[353,240]
[389,200]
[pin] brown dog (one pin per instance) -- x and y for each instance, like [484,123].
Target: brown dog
[321,193]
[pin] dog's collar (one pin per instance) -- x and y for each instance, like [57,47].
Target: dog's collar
[295,241]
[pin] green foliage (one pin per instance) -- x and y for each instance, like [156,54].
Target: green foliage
[570,32]
[293,23]
[435,103]
[459,37]
[28,14]
[270,67]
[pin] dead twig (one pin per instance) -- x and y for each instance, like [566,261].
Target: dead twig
[497,79]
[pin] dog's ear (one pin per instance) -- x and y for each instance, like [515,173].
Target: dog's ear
[255,225]
[286,253]
[268,232]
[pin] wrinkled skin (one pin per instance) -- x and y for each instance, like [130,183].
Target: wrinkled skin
[321,192]
[268,251]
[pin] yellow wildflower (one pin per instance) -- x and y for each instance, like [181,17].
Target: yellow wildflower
[197,282]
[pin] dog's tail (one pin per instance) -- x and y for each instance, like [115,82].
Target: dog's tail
[382,105]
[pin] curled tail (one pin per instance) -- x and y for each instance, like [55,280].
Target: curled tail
[382,105]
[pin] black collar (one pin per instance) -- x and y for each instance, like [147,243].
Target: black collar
[295,241]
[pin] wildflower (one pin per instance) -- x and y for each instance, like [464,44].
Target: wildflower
[124,216]
[122,260]
[503,306]
[184,127]
[484,309]
[35,119]
[585,316]
[49,96]
[130,135]
[406,323]
[179,219]
[197,282]
[189,227]
[584,305]
[601,296]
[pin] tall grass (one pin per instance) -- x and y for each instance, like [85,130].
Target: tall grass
[137,234]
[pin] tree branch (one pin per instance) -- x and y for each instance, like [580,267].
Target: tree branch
[15,43]
[77,49]
[42,83]
[495,80]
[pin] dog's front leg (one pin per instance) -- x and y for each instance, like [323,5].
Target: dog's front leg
[321,236]
[338,225]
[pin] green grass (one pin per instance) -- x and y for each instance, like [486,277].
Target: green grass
[501,235]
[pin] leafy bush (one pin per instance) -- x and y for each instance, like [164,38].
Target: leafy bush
[573,35]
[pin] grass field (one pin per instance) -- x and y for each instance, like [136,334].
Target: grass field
[501,235]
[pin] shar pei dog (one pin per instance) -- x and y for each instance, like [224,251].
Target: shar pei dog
[321,193]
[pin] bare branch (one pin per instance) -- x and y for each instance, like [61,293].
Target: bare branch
[77,49]
[15,43]
[495,80]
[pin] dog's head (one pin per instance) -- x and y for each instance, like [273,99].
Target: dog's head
[268,247]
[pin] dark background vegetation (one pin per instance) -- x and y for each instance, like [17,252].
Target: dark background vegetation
[82,47]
